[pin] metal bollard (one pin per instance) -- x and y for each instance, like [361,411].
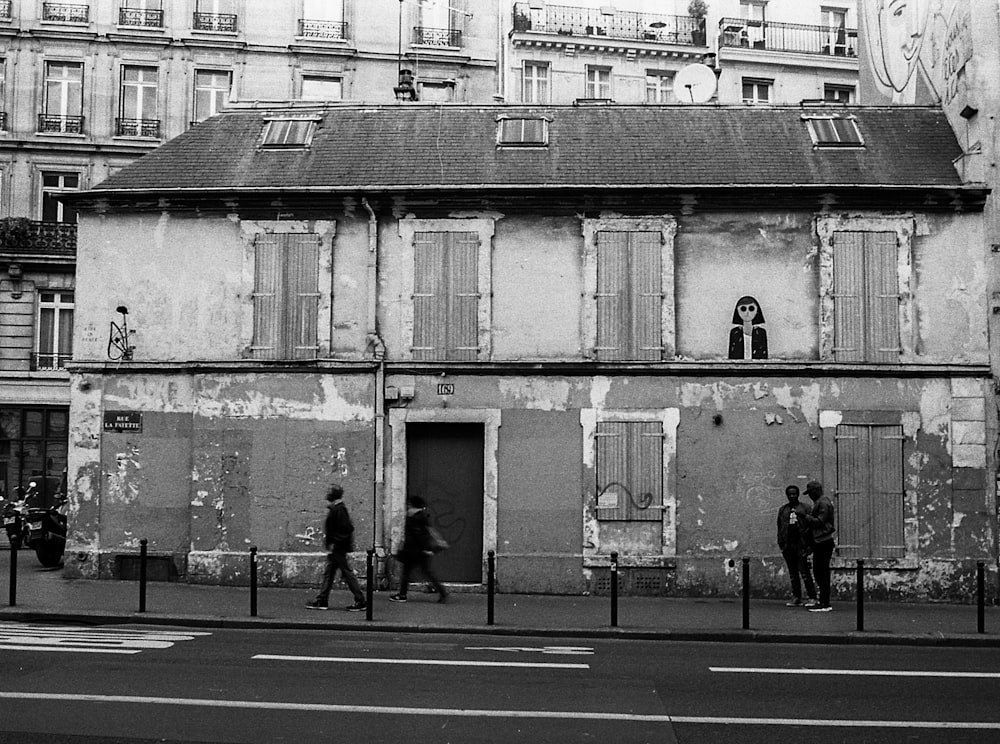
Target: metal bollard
[860,594]
[253,581]
[13,571]
[143,543]
[746,594]
[981,596]
[491,584]
[370,584]
[614,589]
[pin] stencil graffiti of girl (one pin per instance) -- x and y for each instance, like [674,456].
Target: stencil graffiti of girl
[748,338]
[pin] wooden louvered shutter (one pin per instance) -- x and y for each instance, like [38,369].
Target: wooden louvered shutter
[647,296]
[430,308]
[851,495]
[848,296]
[463,297]
[266,297]
[629,296]
[446,296]
[611,297]
[301,316]
[630,470]
[888,496]
[882,296]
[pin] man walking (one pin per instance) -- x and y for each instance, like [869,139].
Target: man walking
[339,542]
[820,522]
[795,545]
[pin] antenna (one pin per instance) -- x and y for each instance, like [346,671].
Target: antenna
[695,83]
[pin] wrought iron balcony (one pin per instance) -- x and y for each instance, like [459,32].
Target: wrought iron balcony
[5,9]
[137,128]
[565,20]
[788,37]
[48,123]
[41,360]
[215,22]
[67,12]
[23,236]
[140,17]
[447,37]
[331,30]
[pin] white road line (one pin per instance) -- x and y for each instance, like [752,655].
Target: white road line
[72,649]
[27,637]
[857,672]
[483,713]
[558,650]
[421,662]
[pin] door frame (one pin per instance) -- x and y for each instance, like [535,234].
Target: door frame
[395,508]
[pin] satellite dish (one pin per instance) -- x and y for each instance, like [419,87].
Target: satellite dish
[694,84]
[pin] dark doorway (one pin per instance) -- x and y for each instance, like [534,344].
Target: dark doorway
[445,466]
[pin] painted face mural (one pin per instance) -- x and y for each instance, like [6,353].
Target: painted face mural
[895,30]
[748,337]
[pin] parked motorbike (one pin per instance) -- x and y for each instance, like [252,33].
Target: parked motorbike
[42,529]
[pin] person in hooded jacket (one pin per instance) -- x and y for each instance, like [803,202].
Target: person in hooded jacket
[417,550]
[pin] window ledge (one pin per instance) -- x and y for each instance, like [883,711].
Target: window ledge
[137,138]
[62,135]
[600,560]
[877,564]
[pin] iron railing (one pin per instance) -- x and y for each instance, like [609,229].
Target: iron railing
[42,360]
[450,37]
[835,41]
[215,22]
[6,11]
[137,127]
[58,238]
[59,123]
[144,18]
[566,20]
[68,12]
[336,30]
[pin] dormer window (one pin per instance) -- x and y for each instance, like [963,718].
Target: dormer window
[523,132]
[834,131]
[288,133]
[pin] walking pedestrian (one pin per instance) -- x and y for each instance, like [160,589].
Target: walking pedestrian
[339,542]
[796,545]
[417,550]
[820,521]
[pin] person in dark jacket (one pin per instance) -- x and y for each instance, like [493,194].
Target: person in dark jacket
[795,544]
[820,521]
[417,550]
[339,542]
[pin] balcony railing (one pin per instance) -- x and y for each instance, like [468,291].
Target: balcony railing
[215,22]
[6,11]
[333,30]
[450,37]
[62,124]
[565,20]
[137,128]
[788,37]
[140,17]
[41,360]
[34,237]
[67,12]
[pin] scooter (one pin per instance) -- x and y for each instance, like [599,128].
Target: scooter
[42,529]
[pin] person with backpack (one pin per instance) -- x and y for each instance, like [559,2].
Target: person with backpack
[419,546]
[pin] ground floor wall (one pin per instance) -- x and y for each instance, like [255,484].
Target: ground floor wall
[680,474]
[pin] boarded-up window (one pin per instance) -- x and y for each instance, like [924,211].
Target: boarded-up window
[286,296]
[866,297]
[446,296]
[629,296]
[629,470]
[870,495]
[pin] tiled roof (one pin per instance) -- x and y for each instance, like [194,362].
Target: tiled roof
[406,146]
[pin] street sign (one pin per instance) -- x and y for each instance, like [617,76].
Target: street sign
[122,421]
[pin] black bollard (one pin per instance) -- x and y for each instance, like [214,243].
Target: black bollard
[142,574]
[491,584]
[746,594]
[370,584]
[614,589]
[253,581]
[13,571]
[981,596]
[860,593]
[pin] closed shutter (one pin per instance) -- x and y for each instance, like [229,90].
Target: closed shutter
[882,296]
[446,296]
[286,296]
[851,496]
[613,316]
[647,301]
[429,298]
[888,496]
[629,470]
[463,310]
[266,290]
[629,296]
[848,296]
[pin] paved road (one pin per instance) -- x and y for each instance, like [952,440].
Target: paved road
[119,684]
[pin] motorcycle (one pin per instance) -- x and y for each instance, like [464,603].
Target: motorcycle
[42,529]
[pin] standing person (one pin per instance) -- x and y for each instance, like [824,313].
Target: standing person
[795,545]
[339,542]
[417,550]
[821,526]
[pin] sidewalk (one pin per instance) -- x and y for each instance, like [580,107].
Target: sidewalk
[43,595]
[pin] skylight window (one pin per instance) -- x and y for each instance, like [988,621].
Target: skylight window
[523,132]
[834,131]
[288,133]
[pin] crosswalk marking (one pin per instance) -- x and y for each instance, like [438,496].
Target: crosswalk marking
[857,672]
[423,662]
[28,637]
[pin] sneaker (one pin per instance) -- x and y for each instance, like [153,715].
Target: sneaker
[356,607]
[794,603]
[811,603]
[397,598]
[821,608]
[317,604]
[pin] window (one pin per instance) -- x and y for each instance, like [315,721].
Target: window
[757,90]
[139,105]
[286,296]
[63,104]
[54,332]
[66,11]
[629,470]
[598,82]
[838,93]
[315,88]
[866,297]
[288,133]
[834,131]
[753,10]
[216,15]
[659,86]
[33,446]
[446,296]
[441,23]
[143,13]
[835,19]
[755,14]
[3,94]
[535,83]
[212,90]
[323,19]
[53,184]
[529,132]
[870,497]
[629,296]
